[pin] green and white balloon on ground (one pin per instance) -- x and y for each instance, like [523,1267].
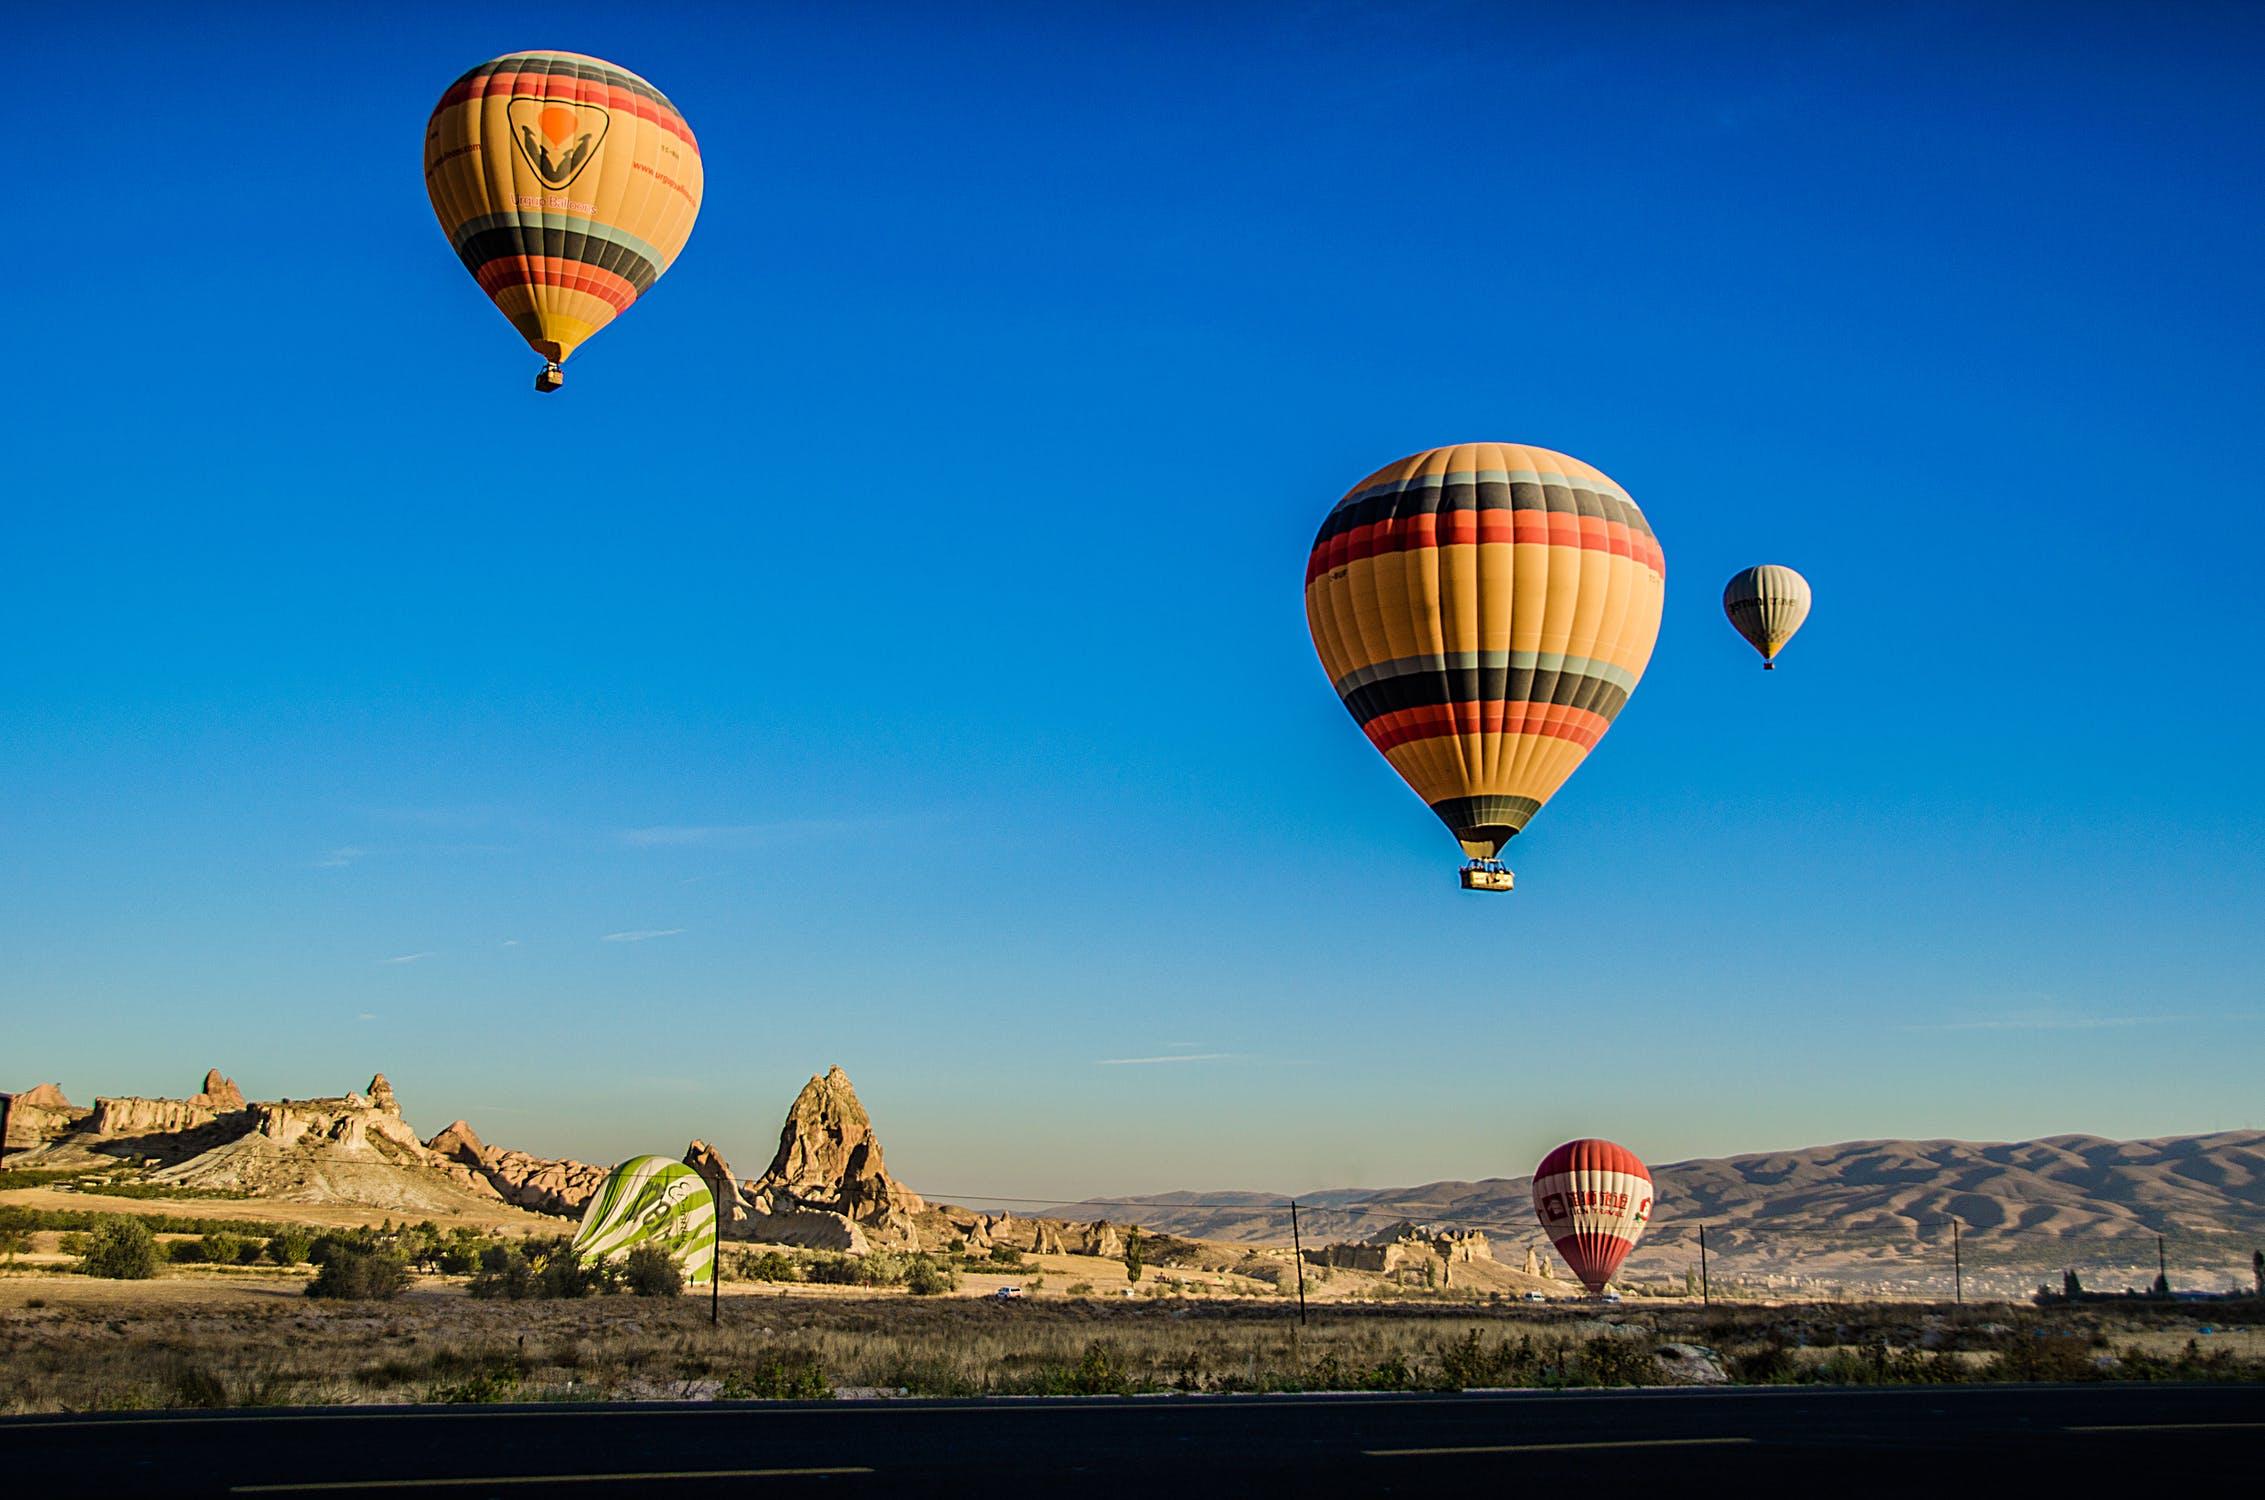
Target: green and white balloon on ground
[650,1200]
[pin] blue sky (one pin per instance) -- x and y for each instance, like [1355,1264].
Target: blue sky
[889,649]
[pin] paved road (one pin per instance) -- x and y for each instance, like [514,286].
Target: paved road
[1918,1441]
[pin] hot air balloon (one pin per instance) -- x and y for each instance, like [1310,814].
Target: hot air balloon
[1593,1199]
[650,1200]
[1484,611]
[566,185]
[1766,605]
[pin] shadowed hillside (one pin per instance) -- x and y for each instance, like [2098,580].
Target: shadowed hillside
[2068,1185]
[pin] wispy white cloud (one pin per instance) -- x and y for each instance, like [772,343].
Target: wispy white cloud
[367,1015]
[339,859]
[508,943]
[410,958]
[703,835]
[745,835]
[1176,1057]
[640,935]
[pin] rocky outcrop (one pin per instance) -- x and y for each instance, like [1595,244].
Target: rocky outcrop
[128,1115]
[219,1094]
[732,1210]
[216,1100]
[829,1164]
[381,1095]
[352,1124]
[538,1184]
[36,1116]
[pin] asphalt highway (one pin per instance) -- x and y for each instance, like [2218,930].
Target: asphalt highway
[2072,1440]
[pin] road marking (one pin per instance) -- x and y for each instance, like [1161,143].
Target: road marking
[1703,1442]
[465,1482]
[2168,1428]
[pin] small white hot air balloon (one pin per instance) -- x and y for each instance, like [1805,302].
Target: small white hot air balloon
[1766,605]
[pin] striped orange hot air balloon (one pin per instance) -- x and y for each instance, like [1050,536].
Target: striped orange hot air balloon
[1593,1199]
[1484,611]
[566,185]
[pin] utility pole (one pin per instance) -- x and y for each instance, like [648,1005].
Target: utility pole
[1706,1297]
[1298,1249]
[716,1276]
[1957,1267]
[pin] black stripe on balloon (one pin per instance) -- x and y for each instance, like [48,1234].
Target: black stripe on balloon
[1480,495]
[563,67]
[509,242]
[1486,685]
[1483,818]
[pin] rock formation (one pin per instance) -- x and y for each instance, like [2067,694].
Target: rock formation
[381,1095]
[538,1184]
[219,1094]
[731,1205]
[31,1119]
[828,1184]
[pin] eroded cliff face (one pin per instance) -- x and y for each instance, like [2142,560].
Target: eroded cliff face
[37,1116]
[538,1184]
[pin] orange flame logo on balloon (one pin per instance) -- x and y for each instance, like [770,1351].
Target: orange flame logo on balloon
[557,139]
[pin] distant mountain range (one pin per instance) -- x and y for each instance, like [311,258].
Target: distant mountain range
[2061,1187]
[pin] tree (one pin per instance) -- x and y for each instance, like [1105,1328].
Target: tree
[1136,1254]
[360,1276]
[290,1245]
[926,1276]
[14,1242]
[2071,1288]
[121,1249]
[650,1271]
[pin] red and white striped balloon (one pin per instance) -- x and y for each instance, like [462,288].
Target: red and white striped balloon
[1593,1199]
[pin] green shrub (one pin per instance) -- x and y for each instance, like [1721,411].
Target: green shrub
[289,1245]
[926,1276]
[503,1273]
[481,1387]
[540,1268]
[792,1375]
[14,1242]
[650,1271]
[360,1276]
[122,1250]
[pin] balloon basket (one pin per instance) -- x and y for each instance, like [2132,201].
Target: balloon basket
[549,378]
[1487,875]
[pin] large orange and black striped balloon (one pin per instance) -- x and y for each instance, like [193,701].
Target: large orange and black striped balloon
[566,185]
[1484,611]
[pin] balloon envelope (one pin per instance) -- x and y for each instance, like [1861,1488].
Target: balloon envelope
[1766,605]
[650,1200]
[1593,1199]
[566,185]
[1484,610]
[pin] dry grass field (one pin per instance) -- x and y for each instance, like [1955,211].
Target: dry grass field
[234,1337]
